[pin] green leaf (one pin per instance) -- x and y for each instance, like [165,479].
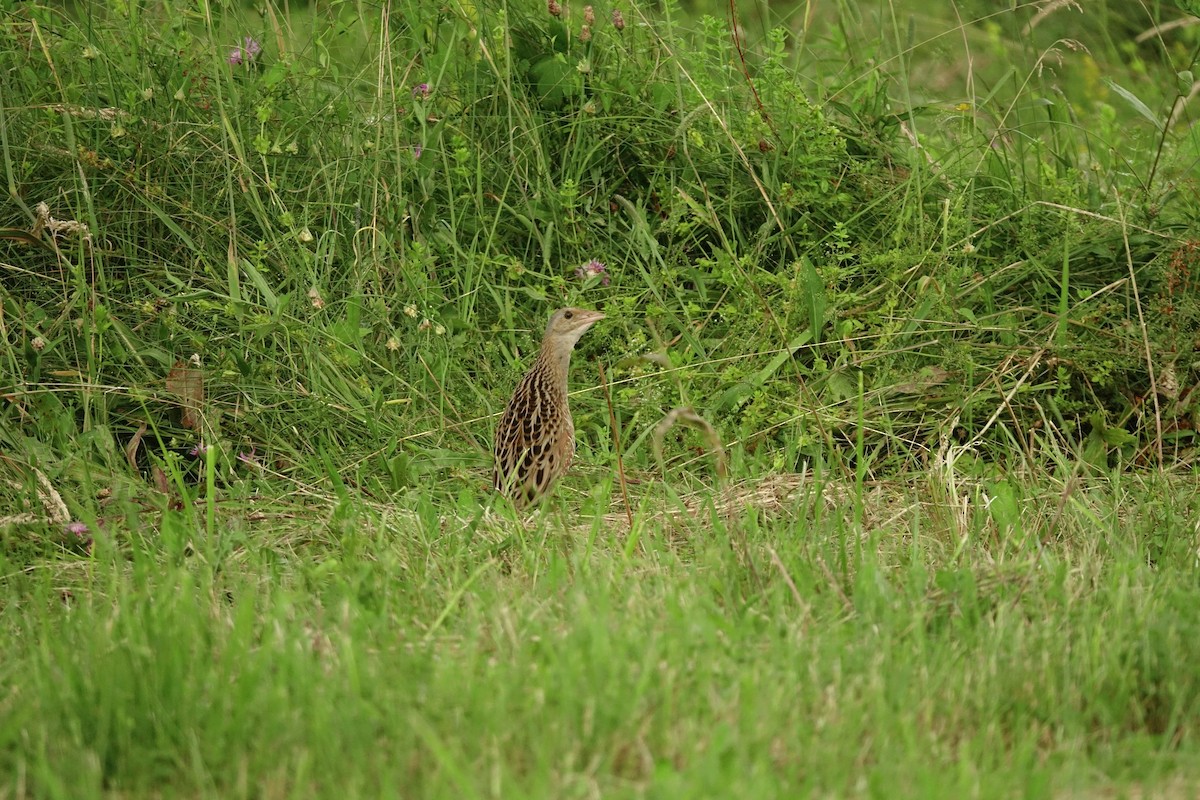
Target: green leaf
[1005,506]
[256,277]
[662,96]
[782,356]
[274,74]
[555,79]
[1137,104]
[1118,437]
[814,290]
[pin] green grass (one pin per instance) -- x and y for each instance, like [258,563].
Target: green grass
[899,352]
[764,647]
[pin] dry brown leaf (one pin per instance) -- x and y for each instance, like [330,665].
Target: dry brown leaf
[132,448]
[186,382]
[160,480]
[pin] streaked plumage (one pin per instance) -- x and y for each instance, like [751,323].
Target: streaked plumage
[535,440]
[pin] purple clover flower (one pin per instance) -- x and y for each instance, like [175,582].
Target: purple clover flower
[420,91]
[246,53]
[78,528]
[592,269]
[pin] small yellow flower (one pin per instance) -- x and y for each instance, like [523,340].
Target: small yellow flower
[410,310]
[393,344]
[963,107]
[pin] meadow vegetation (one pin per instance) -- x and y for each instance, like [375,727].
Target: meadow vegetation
[886,473]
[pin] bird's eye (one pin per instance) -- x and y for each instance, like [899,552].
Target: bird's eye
[568,315]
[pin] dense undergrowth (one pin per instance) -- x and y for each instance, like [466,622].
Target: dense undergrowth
[360,229]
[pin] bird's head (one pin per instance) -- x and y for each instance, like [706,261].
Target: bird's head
[568,324]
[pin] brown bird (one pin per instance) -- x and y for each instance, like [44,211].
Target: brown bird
[535,440]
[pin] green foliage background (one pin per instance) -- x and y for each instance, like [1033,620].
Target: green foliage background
[785,237]
[943,248]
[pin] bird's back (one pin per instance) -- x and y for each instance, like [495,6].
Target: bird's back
[535,439]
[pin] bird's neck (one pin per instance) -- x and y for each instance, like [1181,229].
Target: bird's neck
[556,361]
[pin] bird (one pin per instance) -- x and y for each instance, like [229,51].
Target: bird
[535,440]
